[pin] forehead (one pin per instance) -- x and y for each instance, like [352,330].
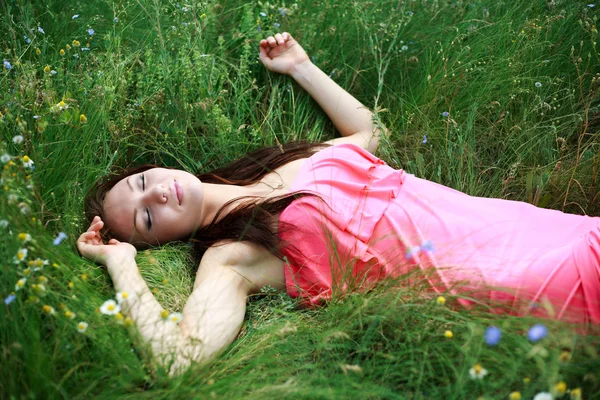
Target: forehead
[118,210]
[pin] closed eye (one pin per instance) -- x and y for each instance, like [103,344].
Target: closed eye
[149,223]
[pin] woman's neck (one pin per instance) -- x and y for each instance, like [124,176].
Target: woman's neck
[218,195]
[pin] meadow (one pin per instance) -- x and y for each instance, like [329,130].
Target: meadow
[493,98]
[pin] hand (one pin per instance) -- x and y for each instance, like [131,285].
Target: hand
[282,53]
[90,246]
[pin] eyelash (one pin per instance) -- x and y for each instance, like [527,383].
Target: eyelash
[149,224]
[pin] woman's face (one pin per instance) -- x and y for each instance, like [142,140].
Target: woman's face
[155,206]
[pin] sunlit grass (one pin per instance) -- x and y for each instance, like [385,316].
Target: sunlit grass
[495,99]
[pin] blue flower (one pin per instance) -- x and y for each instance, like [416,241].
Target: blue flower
[263,14]
[116,20]
[591,5]
[492,336]
[410,13]
[424,139]
[276,25]
[538,84]
[7,65]
[537,332]
[282,11]
[445,114]
[427,245]
[75,16]
[90,32]
[27,40]
[9,299]
[40,30]
[59,238]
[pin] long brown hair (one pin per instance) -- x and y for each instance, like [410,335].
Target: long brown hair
[250,221]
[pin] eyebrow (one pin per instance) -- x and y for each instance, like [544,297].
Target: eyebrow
[134,210]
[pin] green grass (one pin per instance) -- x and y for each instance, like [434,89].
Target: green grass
[186,89]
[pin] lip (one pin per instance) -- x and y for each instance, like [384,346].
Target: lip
[177,191]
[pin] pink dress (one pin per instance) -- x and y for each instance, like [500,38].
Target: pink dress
[375,222]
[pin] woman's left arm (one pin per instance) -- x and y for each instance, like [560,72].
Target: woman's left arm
[352,119]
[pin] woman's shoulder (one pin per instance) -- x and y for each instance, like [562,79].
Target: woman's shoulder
[236,253]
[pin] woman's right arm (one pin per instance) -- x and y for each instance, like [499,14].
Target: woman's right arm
[212,316]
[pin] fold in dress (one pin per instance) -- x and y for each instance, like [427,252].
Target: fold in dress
[370,221]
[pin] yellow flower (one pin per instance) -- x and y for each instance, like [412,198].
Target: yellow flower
[38,288]
[48,310]
[83,277]
[82,118]
[47,69]
[561,388]
[441,300]
[119,317]
[155,290]
[448,334]
[69,314]
[61,104]
[68,47]
[42,279]
[515,396]
[26,159]
[128,322]
[76,43]
[70,285]
[164,314]
[576,394]
[27,271]
[202,16]
[526,380]
[564,356]
[61,52]
[38,51]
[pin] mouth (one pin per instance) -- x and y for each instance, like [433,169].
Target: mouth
[177,191]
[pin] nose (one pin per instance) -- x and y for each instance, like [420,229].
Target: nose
[155,195]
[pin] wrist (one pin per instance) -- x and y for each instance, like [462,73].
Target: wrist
[120,264]
[302,69]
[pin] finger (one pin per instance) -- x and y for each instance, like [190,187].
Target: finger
[287,36]
[279,38]
[263,42]
[272,41]
[96,226]
[264,57]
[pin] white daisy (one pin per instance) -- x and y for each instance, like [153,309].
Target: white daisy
[543,396]
[110,307]
[122,296]
[20,284]
[82,326]
[175,317]
[477,372]
[5,158]
[18,139]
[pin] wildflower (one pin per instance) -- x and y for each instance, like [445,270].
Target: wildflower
[5,158]
[24,237]
[42,279]
[404,48]
[82,326]
[263,14]
[47,69]
[75,16]
[70,285]
[62,52]
[537,332]
[122,296]
[70,314]
[82,117]
[492,336]
[448,334]
[38,288]
[17,139]
[40,30]
[68,47]
[283,11]
[410,13]
[543,396]
[76,43]
[27,40]
[412,251]
[90,32]
[83,277]
[185,9]
[175,317]
[477,372]
[538,84]
[427,245]
[27,162]
[514,396]
[441,300]
[445,114]
[576,394]
[48,310]
[116,20]
[564,356]
[110,307]
[21,255]
[164,314]
[119,317]
[561,388]
[20,284]
[38,51]
[10,298]
[38,263]
[128,322]
[276,24]
[59,238]
[3,223]
[591,5]
[424,139]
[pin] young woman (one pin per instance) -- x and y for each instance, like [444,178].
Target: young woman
[317,220]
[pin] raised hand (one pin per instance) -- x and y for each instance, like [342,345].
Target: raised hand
[281,53]
[91,246]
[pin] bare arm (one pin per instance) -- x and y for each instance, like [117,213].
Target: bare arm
[352,119]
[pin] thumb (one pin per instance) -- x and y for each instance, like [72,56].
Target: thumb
[266,60]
